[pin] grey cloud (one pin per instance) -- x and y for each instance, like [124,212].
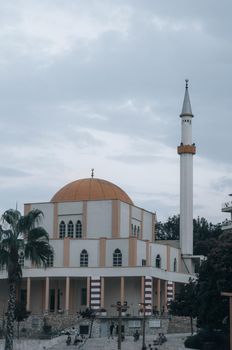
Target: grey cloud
[10,172]
[135,159]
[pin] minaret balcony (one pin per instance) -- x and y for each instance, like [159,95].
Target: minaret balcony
[227,207]
[191,149]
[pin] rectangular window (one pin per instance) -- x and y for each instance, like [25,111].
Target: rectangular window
[144,262]
[23,296]
[52,300]
[83,296]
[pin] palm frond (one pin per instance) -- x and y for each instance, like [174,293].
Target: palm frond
[4,257]
[37,247]
[11,217]
[30,221]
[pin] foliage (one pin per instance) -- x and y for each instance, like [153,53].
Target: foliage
[214,339]
[214,278]
[205,234]
[91,315]
[47,328]
[20,313]
[185,302]
[20,235]
[169,229]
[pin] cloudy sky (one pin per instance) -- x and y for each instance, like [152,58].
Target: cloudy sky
[100,84]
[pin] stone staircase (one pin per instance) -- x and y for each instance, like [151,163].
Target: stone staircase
[179,324]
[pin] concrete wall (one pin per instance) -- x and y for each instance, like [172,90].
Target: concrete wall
[90,245]
[147,226]
[47,209]
[58,246]
[174,253]
[99,219]
[70,208]
[141,252]
[113,244]
[124,222]
[161,250]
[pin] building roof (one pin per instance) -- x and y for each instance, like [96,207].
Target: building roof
[90,189]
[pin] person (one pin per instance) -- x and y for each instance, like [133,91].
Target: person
[112,330]
[77,339]
[164,339]
[136,335]
[68,340]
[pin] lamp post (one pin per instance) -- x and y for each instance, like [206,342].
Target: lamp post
[227,294]
[120,307]
[144,323]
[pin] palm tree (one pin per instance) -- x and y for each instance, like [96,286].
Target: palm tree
[20,234]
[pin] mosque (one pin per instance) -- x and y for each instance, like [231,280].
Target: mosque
[105,247]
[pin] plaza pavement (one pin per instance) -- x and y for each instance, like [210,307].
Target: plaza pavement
[174,342]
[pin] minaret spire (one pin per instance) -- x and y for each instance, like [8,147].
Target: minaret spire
[186,150]
[186,108]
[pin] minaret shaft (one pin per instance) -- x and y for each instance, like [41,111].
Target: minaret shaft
[186,150]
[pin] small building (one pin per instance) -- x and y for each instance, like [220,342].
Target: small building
[227,223]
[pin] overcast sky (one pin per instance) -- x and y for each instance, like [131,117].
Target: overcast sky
[100,84]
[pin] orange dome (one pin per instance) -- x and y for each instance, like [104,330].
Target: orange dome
[90,189]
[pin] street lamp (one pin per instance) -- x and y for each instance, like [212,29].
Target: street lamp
[120,307]
[144,323]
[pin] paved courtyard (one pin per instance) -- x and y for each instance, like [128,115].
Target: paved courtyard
[174,342]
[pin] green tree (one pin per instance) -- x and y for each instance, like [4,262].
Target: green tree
[184,303]
[215,277]
[169,229]
[20,234]
[205,234]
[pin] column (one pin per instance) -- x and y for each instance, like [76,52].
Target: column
[67,290]
[95,293]
[102,292]
[28,293]
[148,295]
[158,294]
[165,296]
[88,292]
[46,304]
[142,289]
[122,290]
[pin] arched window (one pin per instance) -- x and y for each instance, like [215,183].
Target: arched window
[70,229]
[174,265]
[135,228]
[21,259]
[78,229]
[138,231]
[84,258]
[62,229]
[50,260]
[117,258]
[158,261]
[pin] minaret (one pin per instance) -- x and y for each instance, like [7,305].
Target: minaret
[186,150]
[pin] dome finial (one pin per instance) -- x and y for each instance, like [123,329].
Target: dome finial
[92,173]
[186,83]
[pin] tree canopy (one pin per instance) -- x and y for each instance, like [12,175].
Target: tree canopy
[20,236]
[205,234]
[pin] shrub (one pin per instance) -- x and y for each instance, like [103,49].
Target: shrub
[210,340]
